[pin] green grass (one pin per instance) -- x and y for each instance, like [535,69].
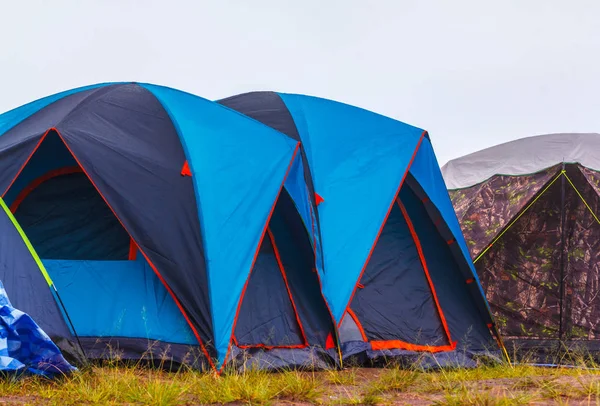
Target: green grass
[488,385]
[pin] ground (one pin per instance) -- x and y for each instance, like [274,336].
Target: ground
[488,385]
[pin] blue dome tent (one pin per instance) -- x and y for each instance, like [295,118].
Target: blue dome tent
[151,223]
[395,267]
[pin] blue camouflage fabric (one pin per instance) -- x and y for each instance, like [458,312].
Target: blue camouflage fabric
[24,347]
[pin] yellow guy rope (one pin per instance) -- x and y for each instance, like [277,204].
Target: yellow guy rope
[518,217]
[582,199]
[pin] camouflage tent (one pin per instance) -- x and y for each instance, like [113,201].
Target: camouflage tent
[529,210]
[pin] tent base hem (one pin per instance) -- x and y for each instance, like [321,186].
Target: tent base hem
[359,353]
[156,353]
[277,359]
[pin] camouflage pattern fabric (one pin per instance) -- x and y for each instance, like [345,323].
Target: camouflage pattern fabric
[542,279]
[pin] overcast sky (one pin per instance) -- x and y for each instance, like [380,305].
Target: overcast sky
[473,73]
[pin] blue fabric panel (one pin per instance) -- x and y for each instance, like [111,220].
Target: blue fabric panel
[66,218]
[357,159]
[269,109]
[298,260]
[13,117]
[238,168]
[267,315]
[18,143]
[24,346]
[396,302]
[462,315]
[118,299]
[295,185]
[427,173]
[129,147]
[50,155]
[24,282]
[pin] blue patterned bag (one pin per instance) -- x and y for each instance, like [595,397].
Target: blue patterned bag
[24,347]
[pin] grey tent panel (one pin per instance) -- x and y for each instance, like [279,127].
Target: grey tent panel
[522,157]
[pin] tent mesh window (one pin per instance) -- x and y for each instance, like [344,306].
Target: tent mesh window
[536,244]
[61,211]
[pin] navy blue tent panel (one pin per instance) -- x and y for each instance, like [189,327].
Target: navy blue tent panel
[20,142]
[266,107]
[297,258]
[267,316]
[50,157]
[395,301]
[460,310]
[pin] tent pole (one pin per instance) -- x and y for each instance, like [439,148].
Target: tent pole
[562,254]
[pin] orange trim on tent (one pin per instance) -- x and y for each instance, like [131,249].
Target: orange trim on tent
[181,309]
[329,342]
[358,324]
[237,312]
[67,170]
[289,292]
[133,249]
[417,242]
[383,224]
[401,345]
[185,171]
[287,286]
[318,199]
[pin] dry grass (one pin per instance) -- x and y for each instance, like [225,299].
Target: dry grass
[487,385]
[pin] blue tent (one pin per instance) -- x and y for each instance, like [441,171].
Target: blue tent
[395,267]
[151,223]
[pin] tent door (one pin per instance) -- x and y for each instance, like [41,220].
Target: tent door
[395,306]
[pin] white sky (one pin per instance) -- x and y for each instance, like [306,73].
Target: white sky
[473,73]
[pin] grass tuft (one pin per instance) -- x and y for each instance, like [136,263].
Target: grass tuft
[496,385]
[347,377]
